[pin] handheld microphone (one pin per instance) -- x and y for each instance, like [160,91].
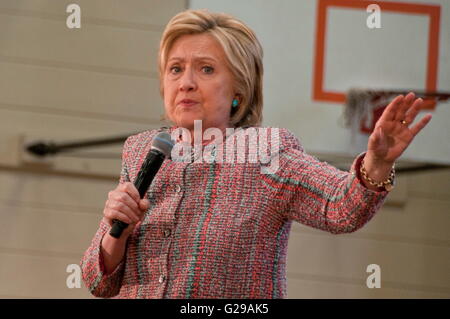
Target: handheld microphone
[161,147]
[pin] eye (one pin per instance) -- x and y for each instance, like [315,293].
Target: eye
[208,69]
[175,69]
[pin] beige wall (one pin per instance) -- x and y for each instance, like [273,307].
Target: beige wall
[66,84]
[408,238]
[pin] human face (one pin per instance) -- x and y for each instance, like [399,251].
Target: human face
[197,70]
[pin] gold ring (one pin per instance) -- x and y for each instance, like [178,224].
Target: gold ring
[403,121]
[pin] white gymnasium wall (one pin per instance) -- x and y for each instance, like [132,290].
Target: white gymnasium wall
[68,84]
[409,238]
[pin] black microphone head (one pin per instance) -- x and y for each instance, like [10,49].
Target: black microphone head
[163,143]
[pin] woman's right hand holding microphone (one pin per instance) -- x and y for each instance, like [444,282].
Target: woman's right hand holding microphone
[125,204]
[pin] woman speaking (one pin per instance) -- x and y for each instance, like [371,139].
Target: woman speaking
[215,229]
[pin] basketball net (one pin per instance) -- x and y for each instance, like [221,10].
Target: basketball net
[364,107]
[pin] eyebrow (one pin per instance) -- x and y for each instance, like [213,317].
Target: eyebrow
[199,57]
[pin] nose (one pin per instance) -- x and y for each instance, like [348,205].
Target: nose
[187,81]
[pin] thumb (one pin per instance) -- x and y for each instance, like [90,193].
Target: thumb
[144,204]
[381,139]
[380,135]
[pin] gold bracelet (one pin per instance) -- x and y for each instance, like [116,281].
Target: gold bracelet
[388,183]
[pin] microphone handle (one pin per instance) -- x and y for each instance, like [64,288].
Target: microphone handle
[145,177]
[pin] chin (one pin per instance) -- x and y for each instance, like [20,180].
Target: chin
[187,120]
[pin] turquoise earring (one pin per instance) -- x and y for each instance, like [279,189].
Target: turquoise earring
[235,103]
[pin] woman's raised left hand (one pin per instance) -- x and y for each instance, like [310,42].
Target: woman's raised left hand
[392,133]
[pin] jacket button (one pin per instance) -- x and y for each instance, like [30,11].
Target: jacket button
[178,188]
[162,278]
[167,233]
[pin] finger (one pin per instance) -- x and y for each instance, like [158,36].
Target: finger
[114,214]
[121,207]
[421,124]
[407,102]
[413,111]
[131,190]
[391,109]
[124,197]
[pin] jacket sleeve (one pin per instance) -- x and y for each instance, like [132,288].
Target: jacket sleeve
[319,195]
[92,265]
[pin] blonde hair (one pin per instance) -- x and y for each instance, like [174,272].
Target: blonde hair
[242,50]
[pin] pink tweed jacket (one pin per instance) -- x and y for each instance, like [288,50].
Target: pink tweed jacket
[220,230]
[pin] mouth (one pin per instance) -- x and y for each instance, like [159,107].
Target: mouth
[187,103]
